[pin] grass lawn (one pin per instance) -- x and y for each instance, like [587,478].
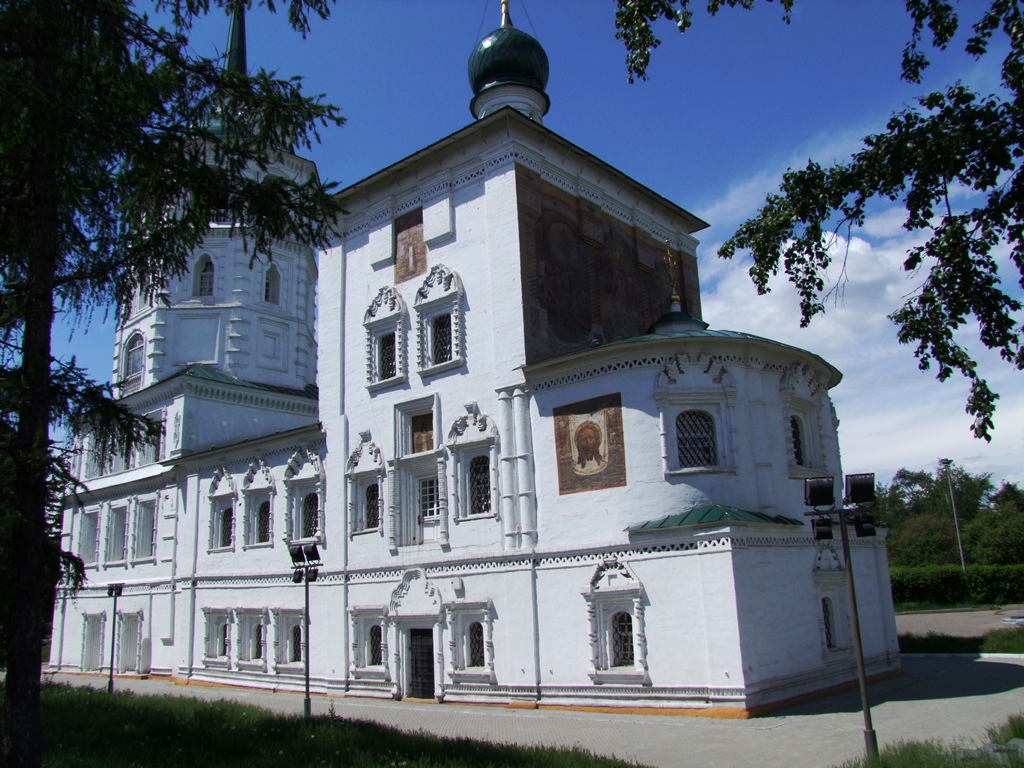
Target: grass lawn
[85,727]
[1010,640]
[931,754]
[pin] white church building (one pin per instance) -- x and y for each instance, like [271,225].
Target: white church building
[534,475]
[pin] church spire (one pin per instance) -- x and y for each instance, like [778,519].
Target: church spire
[506,18]
[235,58]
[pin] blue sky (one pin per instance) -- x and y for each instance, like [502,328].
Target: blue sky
[727,108]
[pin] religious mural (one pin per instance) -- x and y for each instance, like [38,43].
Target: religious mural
[589,445]
[410,248]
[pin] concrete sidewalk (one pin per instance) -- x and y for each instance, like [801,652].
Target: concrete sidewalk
[937,698]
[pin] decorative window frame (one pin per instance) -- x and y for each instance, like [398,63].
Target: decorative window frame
[407,469]
[218,622]
[365,467]
[90,558]
[832,587]
[461,615]
[285,619]
[120,510]
[258,486]
[99,617]
[696,384]
[222,491]
[361,619]
[386,314]
[441,293]
[136,652]
[471,435]
[802,396]
[153,505]
[614,588]
[304,475]
[246,621]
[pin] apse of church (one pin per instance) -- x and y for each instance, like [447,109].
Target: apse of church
[588,277]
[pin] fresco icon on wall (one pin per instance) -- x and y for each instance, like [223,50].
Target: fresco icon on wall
[589,445]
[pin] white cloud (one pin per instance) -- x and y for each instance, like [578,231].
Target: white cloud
[892,414]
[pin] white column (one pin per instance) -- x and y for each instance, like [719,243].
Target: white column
[509,511]
[527,500]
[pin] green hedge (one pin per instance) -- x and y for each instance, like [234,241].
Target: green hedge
[947,584]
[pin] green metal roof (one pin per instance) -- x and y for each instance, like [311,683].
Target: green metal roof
[711,514]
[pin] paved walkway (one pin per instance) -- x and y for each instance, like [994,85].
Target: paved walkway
[956,623]
[938,698]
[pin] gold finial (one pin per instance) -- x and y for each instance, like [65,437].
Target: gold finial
[670,262]
[506,19]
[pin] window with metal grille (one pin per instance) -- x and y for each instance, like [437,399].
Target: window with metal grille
[257,641]
[476,645]
[480,485]
[386,357]
[695,437]
[826,617]
[272,286]
[224,643]
[372,508]
[263,523]
[295,649]
[376,642]
[134,361]
[227,526]
[622,639]
[89,538]
[204,278]
[310,515]
[796,431]
[441,339]
[428,506]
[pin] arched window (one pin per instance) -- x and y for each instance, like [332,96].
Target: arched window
[227,527]
[203,285]
[272,285]
[263,523]
[476,645]
[480,485]
[257,641]
[310,514]
[376,650]
[695,436]
[622,639]
[796,430]
[134,362]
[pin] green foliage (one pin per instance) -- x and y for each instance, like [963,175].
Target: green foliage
[86,727]
[996,536]
[117,143]
[952,140]
[948,585]
[926,754]
[938,584]
[924,539]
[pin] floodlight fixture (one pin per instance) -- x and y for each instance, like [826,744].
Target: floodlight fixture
[860,489]
[311,574]
[311,553]
[297,576]
[820,491]
[115,590]
[821,527]
[864,525]
[296,554]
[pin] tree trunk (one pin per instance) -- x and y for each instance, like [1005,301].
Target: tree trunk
[22,739]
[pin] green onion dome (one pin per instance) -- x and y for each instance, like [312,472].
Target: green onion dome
[508,56]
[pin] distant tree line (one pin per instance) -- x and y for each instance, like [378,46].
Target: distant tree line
[916,509]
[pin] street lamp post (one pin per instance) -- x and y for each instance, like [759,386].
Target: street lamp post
[860,489]
[946,463]
[114,591]
[305,568]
